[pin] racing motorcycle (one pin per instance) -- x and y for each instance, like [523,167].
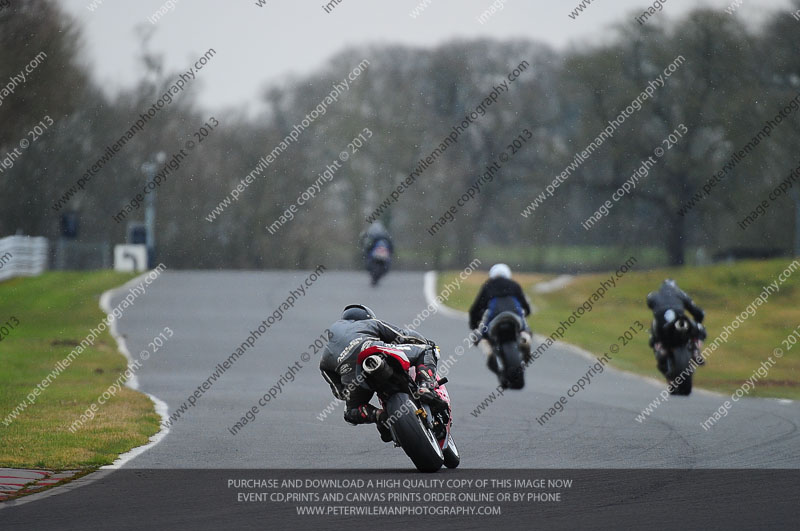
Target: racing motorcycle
[506,361]
[421,430]
[674,353]
[379,260]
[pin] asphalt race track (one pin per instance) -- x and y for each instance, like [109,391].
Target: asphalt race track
[211,313]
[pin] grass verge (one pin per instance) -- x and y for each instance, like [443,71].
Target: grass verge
[55,312]
[724,291]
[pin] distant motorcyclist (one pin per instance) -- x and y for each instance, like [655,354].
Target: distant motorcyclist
[500,294]
[377,249]
[375,234]
[668,304]
[357,330]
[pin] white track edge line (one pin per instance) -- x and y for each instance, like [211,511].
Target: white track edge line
[160,407]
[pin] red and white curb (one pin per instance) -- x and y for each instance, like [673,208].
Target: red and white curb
[15,481]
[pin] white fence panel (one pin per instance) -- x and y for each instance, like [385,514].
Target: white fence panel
[22,256]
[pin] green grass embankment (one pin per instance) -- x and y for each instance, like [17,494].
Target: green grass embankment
[55,312]
[724,291]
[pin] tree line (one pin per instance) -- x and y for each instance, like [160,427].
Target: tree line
[733,80]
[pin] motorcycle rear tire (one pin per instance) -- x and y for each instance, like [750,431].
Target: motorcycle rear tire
[414,437]
[377,270]
[678,365]
[512,364]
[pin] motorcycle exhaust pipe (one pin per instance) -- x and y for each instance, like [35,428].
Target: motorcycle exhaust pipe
[376,366]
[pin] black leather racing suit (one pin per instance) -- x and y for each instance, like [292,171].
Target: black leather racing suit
[671,297]
[338,363]
[506,293]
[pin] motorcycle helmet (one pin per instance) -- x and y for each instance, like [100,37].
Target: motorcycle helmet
[500,271]
[357,312]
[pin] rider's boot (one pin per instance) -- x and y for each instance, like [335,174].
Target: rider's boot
[383,428]
[661,357]
[427,389]
[697,348]
[525,343]
[488,351]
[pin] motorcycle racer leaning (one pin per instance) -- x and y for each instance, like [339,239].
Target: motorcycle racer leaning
[499,294]
[667,304]
[359,329]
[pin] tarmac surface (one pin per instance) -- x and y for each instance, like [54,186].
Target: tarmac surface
[213,313]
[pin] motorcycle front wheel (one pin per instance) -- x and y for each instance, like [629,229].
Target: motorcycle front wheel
[451,456]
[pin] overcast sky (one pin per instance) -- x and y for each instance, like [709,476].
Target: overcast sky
[257,46]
